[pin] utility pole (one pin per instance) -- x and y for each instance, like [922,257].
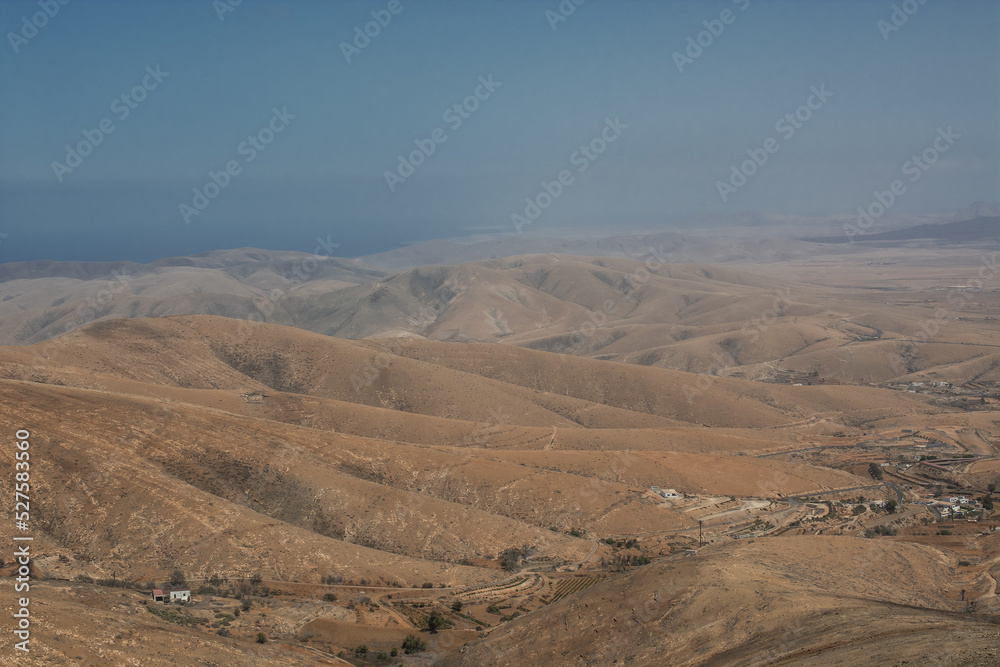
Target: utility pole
[700,522]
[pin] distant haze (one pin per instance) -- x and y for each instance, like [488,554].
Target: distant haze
[666,119]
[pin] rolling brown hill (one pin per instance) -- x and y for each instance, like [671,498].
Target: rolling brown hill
[537,388]
[158,418]
[43,299]
[822,320]
[812,601]
[220,446]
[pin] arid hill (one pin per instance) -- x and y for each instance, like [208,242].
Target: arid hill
[410,469]
[808,601]
[43,299]
[258,420]
[643,463]
[788,321]
[148,422]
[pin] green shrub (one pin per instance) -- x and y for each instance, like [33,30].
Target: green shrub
[413,644]
[435,621]
[511,559]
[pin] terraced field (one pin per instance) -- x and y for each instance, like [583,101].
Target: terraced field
[568,586]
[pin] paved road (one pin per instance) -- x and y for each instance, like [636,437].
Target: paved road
[899,492]
[831,491]
[597,545]
[940,342]
[805,449]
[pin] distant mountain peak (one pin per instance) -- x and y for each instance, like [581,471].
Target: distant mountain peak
[976,210]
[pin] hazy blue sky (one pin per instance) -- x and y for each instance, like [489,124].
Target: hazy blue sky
[324,172]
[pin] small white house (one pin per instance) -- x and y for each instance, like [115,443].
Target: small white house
[669,493]
[168,595]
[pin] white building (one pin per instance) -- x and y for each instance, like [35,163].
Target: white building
[168,595]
